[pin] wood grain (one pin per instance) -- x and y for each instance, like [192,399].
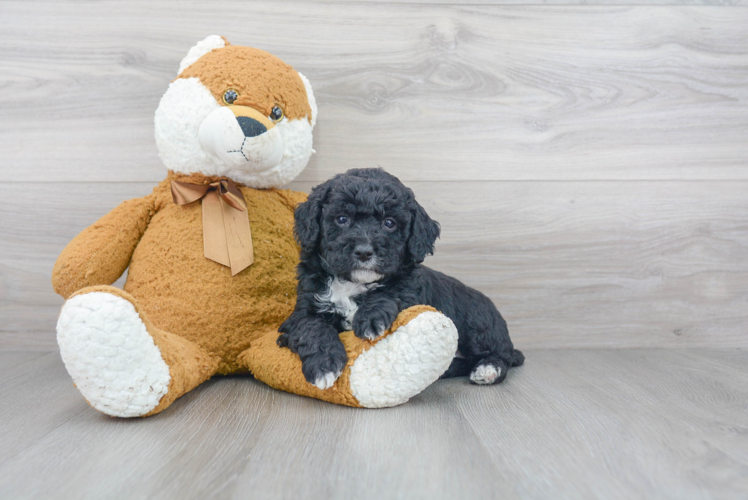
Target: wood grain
[565,2]
[35,229]
[667,424]
[652,423]
[569,264]
[431,92]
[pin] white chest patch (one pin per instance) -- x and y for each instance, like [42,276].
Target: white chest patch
[338,298]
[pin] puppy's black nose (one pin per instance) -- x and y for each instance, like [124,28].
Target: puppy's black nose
[363,252]
[250,126]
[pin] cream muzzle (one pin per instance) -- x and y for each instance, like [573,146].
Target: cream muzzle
[242,138]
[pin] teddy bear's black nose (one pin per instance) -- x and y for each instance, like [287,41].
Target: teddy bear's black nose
[251,127]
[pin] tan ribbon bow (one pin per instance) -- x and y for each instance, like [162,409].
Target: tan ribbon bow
[226,235]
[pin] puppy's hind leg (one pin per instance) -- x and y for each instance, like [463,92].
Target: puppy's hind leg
[493,369]
[488,345]
[460,367]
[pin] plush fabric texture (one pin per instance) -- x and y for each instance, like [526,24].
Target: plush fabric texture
[189,365]
[261,80]
[179,289]
[404,363]
[110,355]
[281,368]
[200,49]
[182,317]
[102,252]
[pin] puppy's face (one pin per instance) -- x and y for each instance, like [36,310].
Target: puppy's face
[364,229]
[364,225]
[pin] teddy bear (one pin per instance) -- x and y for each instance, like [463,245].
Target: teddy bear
[211,257]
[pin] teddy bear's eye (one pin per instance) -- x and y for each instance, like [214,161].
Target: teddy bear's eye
[230,96]
[276,114]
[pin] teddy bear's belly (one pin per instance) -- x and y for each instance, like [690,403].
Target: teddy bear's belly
[184,293]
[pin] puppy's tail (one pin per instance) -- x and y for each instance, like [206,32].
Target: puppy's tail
[517,358]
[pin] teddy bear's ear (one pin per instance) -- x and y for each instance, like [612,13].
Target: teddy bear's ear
[200,49]
[310,98]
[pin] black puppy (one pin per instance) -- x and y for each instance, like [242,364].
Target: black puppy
[363,237]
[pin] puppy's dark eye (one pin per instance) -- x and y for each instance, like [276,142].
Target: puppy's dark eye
[342,220]
[276,114]
[389,223]
[230,96]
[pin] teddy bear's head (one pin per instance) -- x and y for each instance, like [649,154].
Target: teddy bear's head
[237,112]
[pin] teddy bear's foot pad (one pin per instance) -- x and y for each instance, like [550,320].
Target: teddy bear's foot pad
[405,362]
[110,355]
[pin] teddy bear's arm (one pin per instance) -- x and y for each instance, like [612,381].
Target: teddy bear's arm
[101,252]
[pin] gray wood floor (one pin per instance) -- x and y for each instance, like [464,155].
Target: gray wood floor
[613,424]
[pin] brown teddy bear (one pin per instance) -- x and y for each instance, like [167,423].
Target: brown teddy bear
[211,257]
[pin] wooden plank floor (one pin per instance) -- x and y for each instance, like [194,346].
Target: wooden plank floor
[569,424]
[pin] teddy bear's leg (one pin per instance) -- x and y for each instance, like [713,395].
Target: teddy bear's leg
[388,371]
[120,362]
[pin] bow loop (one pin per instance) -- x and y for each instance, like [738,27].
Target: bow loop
[231,195]
[184,193]
[227,238]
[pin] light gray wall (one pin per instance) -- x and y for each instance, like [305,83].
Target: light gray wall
[588,164]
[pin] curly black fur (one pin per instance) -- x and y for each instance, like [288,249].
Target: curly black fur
[365,230]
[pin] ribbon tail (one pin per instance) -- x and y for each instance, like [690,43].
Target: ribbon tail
[214,232]
[238,237]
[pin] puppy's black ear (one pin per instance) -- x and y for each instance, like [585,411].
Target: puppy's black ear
[307,218]
[423,233]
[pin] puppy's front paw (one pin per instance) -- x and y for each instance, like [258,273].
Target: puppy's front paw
[327,380]
[372,323]
[284,340]
[322,369]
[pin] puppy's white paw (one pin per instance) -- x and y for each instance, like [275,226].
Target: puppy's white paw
[485,374]
[327,380]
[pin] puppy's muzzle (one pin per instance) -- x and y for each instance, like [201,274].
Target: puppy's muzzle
[363,253]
